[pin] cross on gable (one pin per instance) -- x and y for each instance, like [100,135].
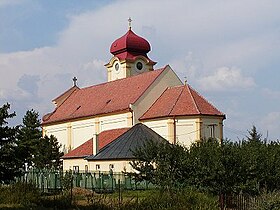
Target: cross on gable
[75,81]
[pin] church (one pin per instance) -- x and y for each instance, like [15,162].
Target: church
[98,126]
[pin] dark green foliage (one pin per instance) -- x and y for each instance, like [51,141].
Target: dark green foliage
[35,150]
[9,162]
[28,137]
[248,166]
[47,153]
[162,164]
[24,145]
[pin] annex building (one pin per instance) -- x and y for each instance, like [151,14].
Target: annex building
[99,125]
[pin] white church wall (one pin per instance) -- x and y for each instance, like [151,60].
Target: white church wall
[115,121]
[76,164]
[159,126]
[73,134]
[167,79]
[106,165]
[82,131]
[186,131]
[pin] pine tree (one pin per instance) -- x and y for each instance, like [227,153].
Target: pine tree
[28,137]
[48,153]
[254,135]
[9,162]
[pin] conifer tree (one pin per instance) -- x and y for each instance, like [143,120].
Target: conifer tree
[28,137]
[48,154]
[254,135]
[9,162]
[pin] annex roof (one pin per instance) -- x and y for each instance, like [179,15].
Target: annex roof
[123,146]
[109,97]
[180,101]
[86,149]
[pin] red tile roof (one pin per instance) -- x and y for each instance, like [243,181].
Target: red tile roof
[109,97]
[180,101]
[104,138]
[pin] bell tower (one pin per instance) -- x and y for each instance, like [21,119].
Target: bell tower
[129,56]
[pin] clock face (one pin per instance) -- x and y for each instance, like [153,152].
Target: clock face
[139,66]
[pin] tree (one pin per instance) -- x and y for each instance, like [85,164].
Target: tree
[48,153]
[9,162]
[28,137]
[254,135]
[162,164]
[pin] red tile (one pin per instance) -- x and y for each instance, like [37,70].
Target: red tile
[180,101]
[104,98]
[86,149]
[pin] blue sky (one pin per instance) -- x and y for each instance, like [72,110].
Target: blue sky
[228,50]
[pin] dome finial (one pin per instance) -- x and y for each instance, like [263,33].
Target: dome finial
[129,23]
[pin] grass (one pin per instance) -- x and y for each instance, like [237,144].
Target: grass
[26,196]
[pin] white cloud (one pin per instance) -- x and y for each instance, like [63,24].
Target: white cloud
[226,79]
[271,123]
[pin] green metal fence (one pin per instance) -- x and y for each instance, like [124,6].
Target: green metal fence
[51,180]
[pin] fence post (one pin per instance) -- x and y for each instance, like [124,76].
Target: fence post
[119,183]
[222,199]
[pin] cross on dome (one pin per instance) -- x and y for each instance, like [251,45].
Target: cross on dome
[129,23]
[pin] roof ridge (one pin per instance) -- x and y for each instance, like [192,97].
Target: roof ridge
[113,81]
[176,101]
[197,109]
[206,100]
[73,87]
[51,113]
[123,145]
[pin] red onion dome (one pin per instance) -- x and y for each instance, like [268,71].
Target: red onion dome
[130,42]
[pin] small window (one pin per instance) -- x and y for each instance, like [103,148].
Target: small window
[86,168]
[97,167]
[212,130]
[76,169]
[111,166]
